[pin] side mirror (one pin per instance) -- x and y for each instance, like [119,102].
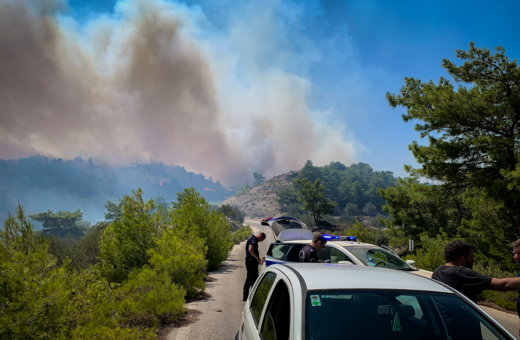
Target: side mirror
[411,262]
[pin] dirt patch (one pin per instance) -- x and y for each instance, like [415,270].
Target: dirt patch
[190,316]
[495,306]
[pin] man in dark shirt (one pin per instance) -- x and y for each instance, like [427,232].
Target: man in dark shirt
[458,273]
[252,262]
[310,253]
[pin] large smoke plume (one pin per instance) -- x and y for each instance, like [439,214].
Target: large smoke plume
[154,82]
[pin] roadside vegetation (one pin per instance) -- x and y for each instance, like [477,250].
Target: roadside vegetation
[233,213]
[124,279]
[467,185]
[241,234]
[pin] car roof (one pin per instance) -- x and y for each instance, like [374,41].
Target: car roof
[339,243]
[339,276]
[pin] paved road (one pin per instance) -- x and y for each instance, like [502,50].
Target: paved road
[222,312]
[509,321]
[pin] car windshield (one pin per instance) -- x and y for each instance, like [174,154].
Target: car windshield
[378,257]
[391,314]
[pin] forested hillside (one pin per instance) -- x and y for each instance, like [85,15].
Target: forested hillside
[352,190]
[41,183]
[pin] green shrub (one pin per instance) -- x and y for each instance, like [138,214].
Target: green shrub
[194,216]
[431,253]
[182,259]
[232,212]
[241,234]
[126,241]
[505,300]
[83,252]
[149,299]
[33,290]
[362,233]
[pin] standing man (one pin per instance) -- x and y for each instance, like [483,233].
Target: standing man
[310,253]
[252,262]
[458,273]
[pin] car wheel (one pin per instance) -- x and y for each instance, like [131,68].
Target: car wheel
[237,337]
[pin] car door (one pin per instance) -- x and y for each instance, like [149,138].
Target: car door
[277,320]
[253,314]
[269,315]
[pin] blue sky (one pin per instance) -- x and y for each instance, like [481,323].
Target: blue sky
[353,52]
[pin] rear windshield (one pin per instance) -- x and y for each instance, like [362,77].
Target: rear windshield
[378,257]
[377,314]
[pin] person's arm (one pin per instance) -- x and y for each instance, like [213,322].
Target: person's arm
[507,284]
[254,253]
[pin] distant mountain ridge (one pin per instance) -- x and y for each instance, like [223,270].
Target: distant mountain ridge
[40,183]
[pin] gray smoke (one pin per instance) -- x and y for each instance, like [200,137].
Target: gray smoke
[150,84]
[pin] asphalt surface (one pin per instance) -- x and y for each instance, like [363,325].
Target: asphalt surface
[508,321]
[222,312]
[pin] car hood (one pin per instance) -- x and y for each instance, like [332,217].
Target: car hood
[422,272]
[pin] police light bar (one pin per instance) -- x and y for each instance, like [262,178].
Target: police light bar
[339,238]
[330,237]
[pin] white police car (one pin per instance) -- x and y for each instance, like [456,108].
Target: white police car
[331,301]
[339,249]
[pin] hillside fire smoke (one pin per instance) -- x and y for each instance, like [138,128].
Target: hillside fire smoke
[146,84]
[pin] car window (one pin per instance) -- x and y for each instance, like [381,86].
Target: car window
[455,312]
[337,256]
[277,320]
[294,252]
[279,250]
[378,257]
[380,314]
[324,254]
[261,294]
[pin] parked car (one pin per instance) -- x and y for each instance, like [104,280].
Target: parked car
[339,249]
[278,224]
[332,301]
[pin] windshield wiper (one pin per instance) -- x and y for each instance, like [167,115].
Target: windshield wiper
[409,269]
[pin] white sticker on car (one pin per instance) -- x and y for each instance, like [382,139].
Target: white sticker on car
[315,300]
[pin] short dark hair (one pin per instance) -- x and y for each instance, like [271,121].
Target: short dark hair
[318,238]
[456,249]
[261,234]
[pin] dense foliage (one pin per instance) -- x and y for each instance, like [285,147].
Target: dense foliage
[123,280]
[352,190]
[472,158]
[241,234]
[313,199]
[61,224]
[232,212]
